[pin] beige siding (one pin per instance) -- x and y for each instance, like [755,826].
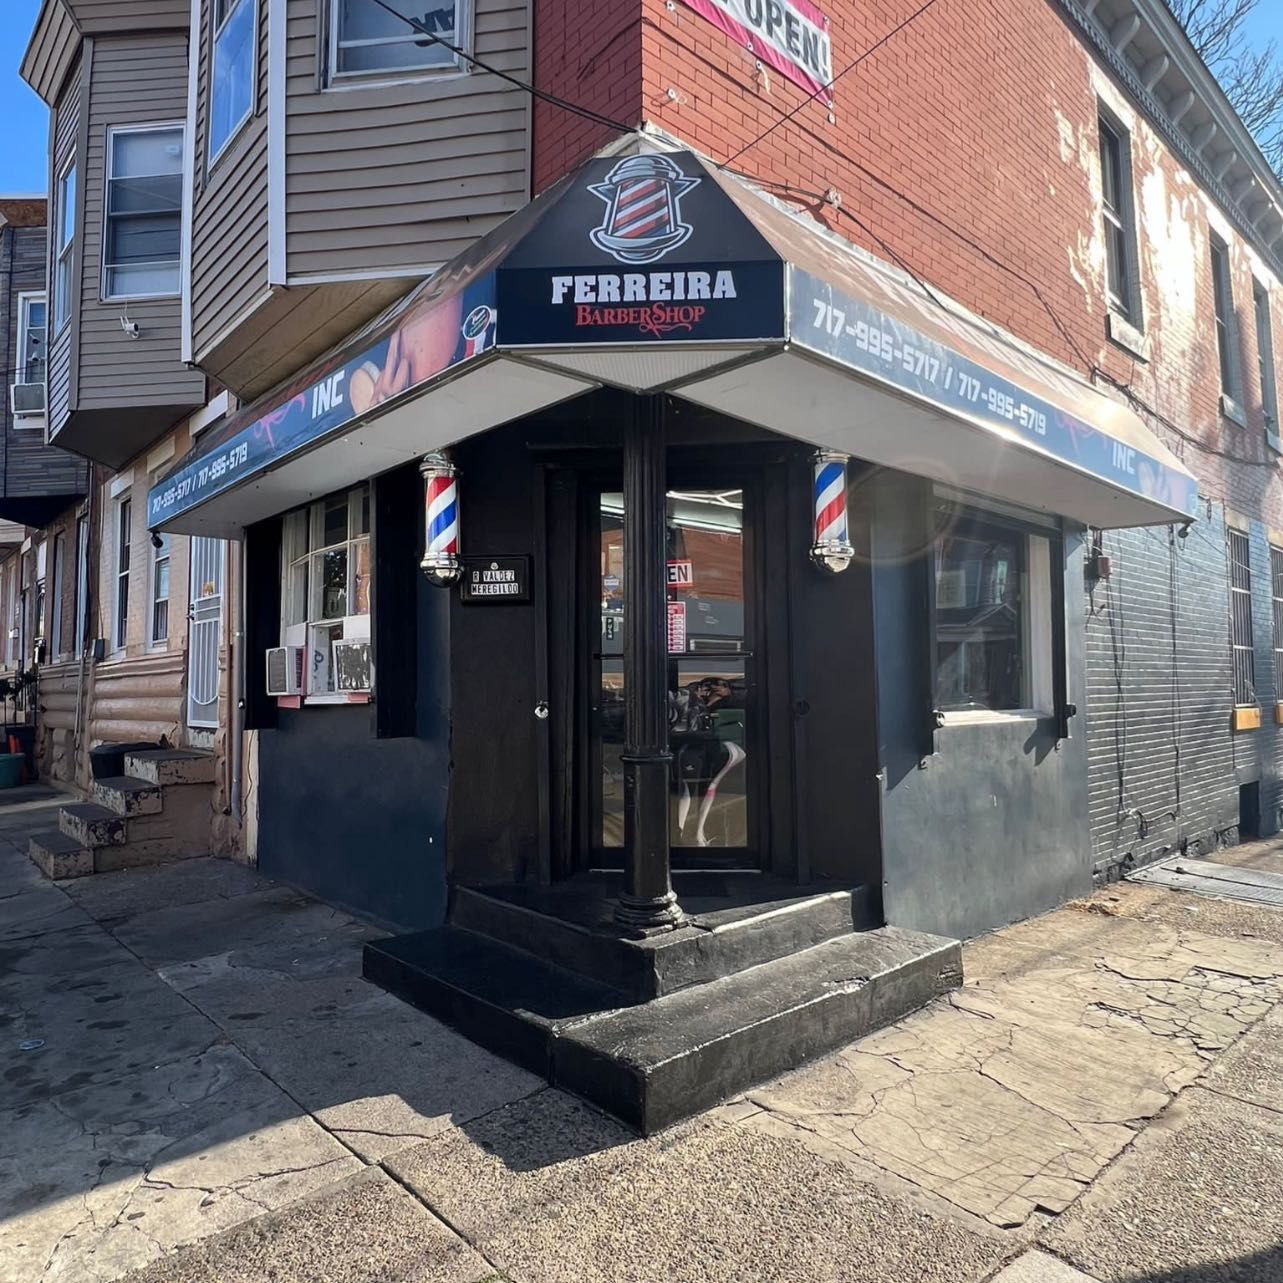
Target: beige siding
[105,16]
[65,126]
[136,80]
[229,220]
[406,174]
[51,51]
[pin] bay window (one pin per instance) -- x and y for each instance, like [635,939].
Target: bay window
[64,245]
[366,39]
[142,242]
[232,68]
[325,596]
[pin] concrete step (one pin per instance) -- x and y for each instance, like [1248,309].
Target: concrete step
[171,766]
[126,795]
[148,850]
[92,825]
[654,1063]
[57,856]
[579,933]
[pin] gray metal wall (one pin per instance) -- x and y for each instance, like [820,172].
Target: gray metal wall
[1166,765]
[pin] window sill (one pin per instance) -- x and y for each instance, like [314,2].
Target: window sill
[1122,333]
[1273,440]
[343,82]
[330,698]
[1231,410]
[992,717]
[1247,717]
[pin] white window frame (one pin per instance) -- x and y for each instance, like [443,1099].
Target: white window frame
[113,132]
[160,555]
[1123,297]
[464,10]
[1037,624]
[122,553]
[25,299]
[82,582]
[1225,327]
[64,251]
[215,31]
[59,554]
[356,627]
[1264,320]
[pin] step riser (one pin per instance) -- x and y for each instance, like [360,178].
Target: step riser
[134,802]
[708,1075]
[92,833]
[61,865]
[135,854]
[193,770]
[665,965]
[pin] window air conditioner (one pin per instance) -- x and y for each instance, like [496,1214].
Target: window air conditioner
[27,399]
[285,670]
[352,665]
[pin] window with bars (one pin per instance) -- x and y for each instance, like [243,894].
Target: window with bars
[1241,619]
[1276,592]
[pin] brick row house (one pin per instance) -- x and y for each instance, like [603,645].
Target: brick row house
[706,496]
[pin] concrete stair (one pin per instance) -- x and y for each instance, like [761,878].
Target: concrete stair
[159,810]
[657,1030]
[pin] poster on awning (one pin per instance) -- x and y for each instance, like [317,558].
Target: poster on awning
[789,36]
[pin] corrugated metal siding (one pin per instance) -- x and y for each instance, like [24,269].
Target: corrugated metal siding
[138,79]
[229,221]
[65,125]
[410,173]
[1164,765]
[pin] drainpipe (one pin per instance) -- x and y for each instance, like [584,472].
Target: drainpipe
[82,645]
[236,693]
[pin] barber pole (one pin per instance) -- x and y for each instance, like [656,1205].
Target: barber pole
[832,550]
[441,502]
[643,209]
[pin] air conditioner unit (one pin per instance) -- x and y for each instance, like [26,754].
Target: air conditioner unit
[27,399]
[285,670]
[352,665]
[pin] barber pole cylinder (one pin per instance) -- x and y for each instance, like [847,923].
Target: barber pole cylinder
[643,203]
[441,508]
[832,550]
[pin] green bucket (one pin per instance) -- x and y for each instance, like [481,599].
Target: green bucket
[11,765]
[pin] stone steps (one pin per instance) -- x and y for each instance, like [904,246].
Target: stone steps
[160,810]
[652,1063]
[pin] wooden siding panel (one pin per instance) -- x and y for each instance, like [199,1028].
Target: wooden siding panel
[65,125]
[136,80]
[229,213]
[406,162]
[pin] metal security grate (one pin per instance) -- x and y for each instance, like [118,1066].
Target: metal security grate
[1241,618]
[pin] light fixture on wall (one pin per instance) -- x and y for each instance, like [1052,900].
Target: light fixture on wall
[832,550]
[441,519]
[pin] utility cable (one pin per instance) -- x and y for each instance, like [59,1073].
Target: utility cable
[851,66]
[542,95]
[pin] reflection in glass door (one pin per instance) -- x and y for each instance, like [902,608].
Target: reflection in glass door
[709,685]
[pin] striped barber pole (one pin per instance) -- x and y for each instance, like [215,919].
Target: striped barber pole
[441,500]
[832,549]
[643,209]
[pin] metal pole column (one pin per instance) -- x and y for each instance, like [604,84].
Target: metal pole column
[648,902]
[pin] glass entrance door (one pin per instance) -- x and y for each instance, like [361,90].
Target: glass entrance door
[712,727]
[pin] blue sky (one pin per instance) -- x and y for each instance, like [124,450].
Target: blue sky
[24,124]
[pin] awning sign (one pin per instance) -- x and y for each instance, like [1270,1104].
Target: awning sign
[790,36]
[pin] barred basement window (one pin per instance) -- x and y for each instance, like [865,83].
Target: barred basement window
[1276,590]
[1241,619]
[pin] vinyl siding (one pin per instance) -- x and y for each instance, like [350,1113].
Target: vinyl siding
[136,80]
[229,220]
[107,16]
[29,467]
[410,173]
[51,51]
[65,125]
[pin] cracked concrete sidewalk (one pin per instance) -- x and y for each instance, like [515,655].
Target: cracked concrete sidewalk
[218,1097]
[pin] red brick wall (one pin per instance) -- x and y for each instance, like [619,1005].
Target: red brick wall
[967,152]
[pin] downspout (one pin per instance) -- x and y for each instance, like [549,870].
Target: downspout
[237,691]
[82,645]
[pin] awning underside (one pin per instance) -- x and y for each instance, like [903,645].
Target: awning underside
[759,316]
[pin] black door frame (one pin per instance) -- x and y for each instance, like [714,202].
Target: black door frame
[568,612]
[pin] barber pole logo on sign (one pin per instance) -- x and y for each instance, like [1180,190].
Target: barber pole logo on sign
[789,36]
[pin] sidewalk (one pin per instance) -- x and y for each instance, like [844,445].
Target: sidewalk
[215,1096]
